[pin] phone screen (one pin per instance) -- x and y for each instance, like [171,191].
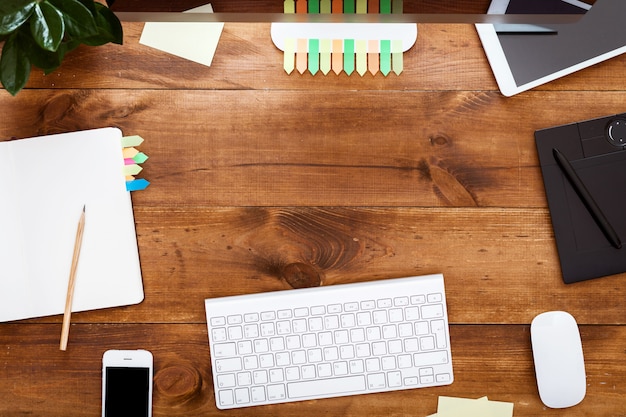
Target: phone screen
[127,392]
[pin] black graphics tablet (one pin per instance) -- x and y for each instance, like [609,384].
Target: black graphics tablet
[596,150]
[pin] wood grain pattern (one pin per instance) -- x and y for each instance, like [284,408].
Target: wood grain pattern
[264,181]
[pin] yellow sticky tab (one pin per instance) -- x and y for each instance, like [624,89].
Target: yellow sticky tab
[289,56]
[325,59]
[397,63]
[360,49]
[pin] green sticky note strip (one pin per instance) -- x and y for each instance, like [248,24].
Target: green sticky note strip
[289,6]
[348,56]
[325,6]
[361,6]
[385,6]
[385,57]
[314,6]
[131,169]
[396,7]
[314,55]
[348,6]
[140,158]
[128,141]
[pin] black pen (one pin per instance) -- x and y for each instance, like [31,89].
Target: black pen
[587,199]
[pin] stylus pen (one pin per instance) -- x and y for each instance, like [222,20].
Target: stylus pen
[587,199]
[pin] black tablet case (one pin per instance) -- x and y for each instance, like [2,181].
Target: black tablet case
[584,251]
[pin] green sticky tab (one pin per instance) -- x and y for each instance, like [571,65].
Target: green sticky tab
[396,7]
[314,6]
[385,57]
[131,169]
[348,56]
[140,158]
[289,6]
[325,6]
[385,6]
[348,6]
[314,55]
[128,141]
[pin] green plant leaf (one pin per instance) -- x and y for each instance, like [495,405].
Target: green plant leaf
[109,28]
[14,65]
[13,13]
[47,26]
[79,21]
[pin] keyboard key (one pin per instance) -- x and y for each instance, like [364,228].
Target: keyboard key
[430,358]
[326,386]
[242,396]
[443,377]
[318,310]
[368,305]
[285,314]
[219,335]
[334,308]
[276,392]
[348,320]
[222,350]
[418,299]
[384,303]
[439,330]
[260,377]
[401,301]
[228,365]
[226,380]
[434,298]
[351,307]
[301,312]
[340,368]
[244,378]
[432,311]
[226,397]
[376,381]
[394,379]
[251,317]
[218,321]
[258,394]
[235,319]
[268,315]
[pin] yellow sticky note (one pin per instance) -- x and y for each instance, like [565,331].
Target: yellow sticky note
[361,56]
[289,56]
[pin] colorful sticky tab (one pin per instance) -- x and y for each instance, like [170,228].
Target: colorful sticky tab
[325,6]
[128,141]
[361,56]
[361,6]
[289,56]
[396,57]
[129,152]
[373,6]
[289,7]
[396,7]
[301,55]
[337,6]
[373,63]
[385,57]
[325,54]
[133,169]
[136,185]
[348,56]
[140,158]
[348,6]
[385,6]
[314,56]
[337,56]
[301,6]
[314,6]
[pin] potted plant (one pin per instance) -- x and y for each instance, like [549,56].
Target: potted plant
[40,32]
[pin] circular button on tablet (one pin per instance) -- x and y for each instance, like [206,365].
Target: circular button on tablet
[616,132]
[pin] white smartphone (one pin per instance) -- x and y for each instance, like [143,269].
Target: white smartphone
[127,383]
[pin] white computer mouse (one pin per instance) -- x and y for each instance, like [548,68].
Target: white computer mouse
[558,355]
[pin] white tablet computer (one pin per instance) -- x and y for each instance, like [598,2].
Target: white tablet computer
[524,60]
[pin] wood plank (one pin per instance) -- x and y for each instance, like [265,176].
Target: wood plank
[445,57]
[37,378]
[298,148]
[500,265]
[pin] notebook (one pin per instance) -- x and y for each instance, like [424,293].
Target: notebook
[521,61]
[44,184]
[596,149]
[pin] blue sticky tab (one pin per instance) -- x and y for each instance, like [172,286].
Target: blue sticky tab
[136,185]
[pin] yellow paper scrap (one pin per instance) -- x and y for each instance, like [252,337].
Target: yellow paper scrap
[467,407]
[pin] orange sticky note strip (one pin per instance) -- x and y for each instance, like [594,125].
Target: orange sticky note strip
[373,62]
[301,55]
[337,55]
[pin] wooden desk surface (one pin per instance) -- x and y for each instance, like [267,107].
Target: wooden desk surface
[254,171]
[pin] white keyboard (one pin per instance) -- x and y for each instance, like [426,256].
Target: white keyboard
[330,341]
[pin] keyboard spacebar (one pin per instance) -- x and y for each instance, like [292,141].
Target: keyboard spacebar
[326,386]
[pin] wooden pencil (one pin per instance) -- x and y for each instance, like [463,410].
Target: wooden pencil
[65,330]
